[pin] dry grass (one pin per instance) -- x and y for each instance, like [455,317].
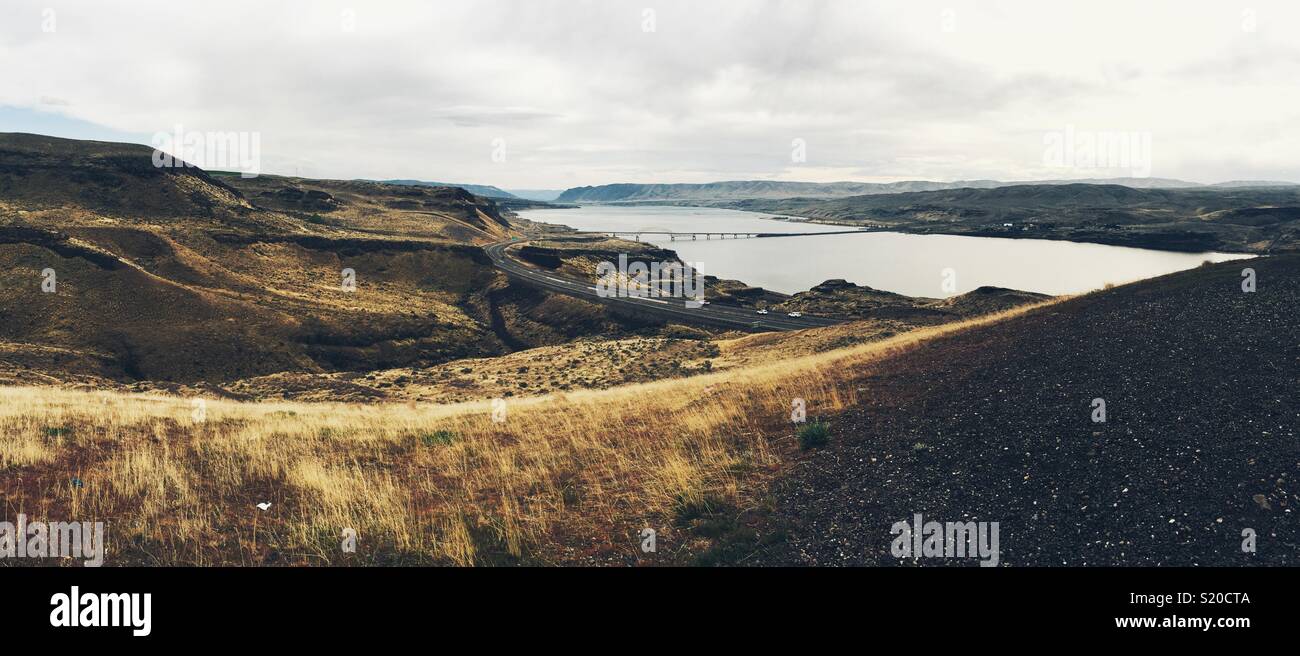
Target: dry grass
[566,478]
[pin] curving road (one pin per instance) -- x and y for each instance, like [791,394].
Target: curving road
[673,309]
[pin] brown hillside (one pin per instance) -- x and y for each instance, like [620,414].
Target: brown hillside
[175,274]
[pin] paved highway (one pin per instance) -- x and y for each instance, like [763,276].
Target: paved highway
[668,308]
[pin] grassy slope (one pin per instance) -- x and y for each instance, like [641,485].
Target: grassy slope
[565,478]
[987,419]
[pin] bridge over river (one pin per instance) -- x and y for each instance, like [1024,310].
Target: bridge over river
[694,236]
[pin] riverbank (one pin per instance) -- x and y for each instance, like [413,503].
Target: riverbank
[1246,221]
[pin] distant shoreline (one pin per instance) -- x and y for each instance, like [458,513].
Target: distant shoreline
[1156,241]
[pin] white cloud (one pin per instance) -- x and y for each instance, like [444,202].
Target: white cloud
[580,94]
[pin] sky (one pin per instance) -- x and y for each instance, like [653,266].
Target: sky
[551,94]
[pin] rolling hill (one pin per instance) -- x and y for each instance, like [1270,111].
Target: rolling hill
[486,191]
[997,424]
[1241,219]
[770,189]
[121,273]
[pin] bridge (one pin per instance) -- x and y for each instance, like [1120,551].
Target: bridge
[694,236]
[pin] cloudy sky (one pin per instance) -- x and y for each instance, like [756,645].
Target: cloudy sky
[576,92]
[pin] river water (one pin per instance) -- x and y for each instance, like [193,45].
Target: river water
[915,265]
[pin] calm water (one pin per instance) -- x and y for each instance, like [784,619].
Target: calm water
[907,264]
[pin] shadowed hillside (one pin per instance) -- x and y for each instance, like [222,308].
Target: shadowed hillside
[1199,441]
[39,172]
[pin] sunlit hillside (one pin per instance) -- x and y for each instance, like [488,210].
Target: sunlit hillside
[560,478]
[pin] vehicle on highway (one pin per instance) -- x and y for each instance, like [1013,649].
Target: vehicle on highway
[762,311]
[795,315]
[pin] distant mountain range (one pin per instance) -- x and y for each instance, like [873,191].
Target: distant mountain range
[768,189]
[544,195]
[486,191]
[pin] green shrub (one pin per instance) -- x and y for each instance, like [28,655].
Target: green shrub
[814,435]
[443,437]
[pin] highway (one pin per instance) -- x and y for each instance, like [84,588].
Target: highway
[673,309]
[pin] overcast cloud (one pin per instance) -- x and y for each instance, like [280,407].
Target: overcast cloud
[584,92]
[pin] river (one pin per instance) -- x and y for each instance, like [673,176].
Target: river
[915,265]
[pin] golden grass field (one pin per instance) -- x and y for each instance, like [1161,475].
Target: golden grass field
[566,478]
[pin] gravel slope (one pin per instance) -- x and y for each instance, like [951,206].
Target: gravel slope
[1202,390]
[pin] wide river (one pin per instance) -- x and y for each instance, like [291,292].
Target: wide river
[915,265]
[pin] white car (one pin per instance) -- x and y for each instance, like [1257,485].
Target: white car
[762,311]
[795,315]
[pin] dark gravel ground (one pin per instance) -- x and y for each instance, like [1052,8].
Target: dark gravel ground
[1202,389]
